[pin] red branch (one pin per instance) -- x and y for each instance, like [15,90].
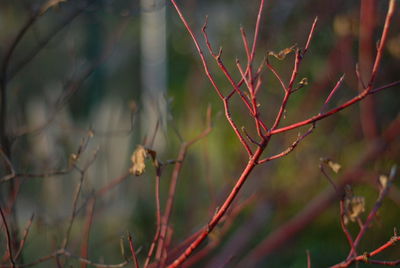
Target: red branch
[133,252]
[369,90]
[247,78]
[373,212]
[8,236]
[366,256]
[162,238]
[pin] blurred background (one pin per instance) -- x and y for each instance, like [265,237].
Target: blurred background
[86,82]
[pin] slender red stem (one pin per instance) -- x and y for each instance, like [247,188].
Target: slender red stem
[158,216]
[254,158]
[344,228]
[222,210]
[133,252]
[369,90]
[8,236]
[372,214]
[161,246]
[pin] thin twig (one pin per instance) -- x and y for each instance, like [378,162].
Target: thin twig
[235,128]
[10,167]
[393,84]
[369,90]
[24,237]
[276,74]
[174,178]
[221,65]
[335,88]
[73,212]
[75,201]
[373,212]
[44,41]
[366,256]
[344,227]
[133,252]
[86,230]
[254,157]
[8,236]
[382,43]
[158,217]
[321,167]
[290,148]
[310,35]
[359,77]
[249,137]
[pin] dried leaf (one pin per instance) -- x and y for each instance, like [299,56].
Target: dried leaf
[303,82]
[282,54]
[354,206]
[334,166]
[49,4]
[383,180]
[138,160]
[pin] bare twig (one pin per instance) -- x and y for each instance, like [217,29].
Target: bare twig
[335,88]
[290,148]
[44,41]
[158,217]
[366,256]
[288,90]
[8,236]
[318,205]
[75,200]
[174,178]
[65,253]
[369,90]
[254,157]
[373,212]
[10,167]
[24,237]
[86,230]
[133,252]
[343,225]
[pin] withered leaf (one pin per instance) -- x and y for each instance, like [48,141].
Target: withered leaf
[334,166]
[383,180]
[282,54]
[138,160]
[354,206]
[303,82]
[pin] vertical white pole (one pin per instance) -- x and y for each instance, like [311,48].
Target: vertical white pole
[153,69]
